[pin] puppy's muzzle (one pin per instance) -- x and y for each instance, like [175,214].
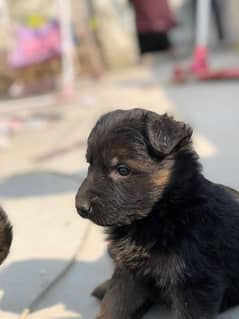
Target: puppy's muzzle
[82,202]
[84,209]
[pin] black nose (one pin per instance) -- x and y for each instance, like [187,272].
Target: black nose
[84,208]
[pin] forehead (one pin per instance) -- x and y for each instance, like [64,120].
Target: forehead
[122,142]
[116,146]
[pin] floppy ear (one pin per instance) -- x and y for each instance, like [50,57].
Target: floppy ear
[164,133]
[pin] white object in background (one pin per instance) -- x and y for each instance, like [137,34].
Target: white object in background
[68,71]
[203,17]
[5,27]
[4,13]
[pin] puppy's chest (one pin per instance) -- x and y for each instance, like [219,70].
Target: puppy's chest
[164,268]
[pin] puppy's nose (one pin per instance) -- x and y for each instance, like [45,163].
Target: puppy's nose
[84,208]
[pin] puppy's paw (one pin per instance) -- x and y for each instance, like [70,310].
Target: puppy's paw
[99,291]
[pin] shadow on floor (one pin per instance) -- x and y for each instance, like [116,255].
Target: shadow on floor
[20,281]
[42,183]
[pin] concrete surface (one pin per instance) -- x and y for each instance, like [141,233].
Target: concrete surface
[42,169]
[212,109]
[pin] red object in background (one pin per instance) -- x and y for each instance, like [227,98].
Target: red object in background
[200,61]
[200,70]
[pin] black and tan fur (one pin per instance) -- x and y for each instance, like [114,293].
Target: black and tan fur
[173,235]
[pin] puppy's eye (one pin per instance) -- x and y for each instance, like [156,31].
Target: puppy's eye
[123,170]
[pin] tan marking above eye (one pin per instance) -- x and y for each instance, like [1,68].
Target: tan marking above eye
[120,151]
[114,161]
[138,165]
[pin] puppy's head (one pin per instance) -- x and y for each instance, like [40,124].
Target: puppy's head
[131,156]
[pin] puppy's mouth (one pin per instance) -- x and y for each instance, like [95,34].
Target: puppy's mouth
[98,220]
[105,222]
[94,217]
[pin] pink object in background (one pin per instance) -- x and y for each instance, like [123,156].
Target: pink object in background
[35,45]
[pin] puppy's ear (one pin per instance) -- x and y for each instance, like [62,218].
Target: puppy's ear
[164,133]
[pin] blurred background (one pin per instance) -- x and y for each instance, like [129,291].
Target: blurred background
[64,63]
